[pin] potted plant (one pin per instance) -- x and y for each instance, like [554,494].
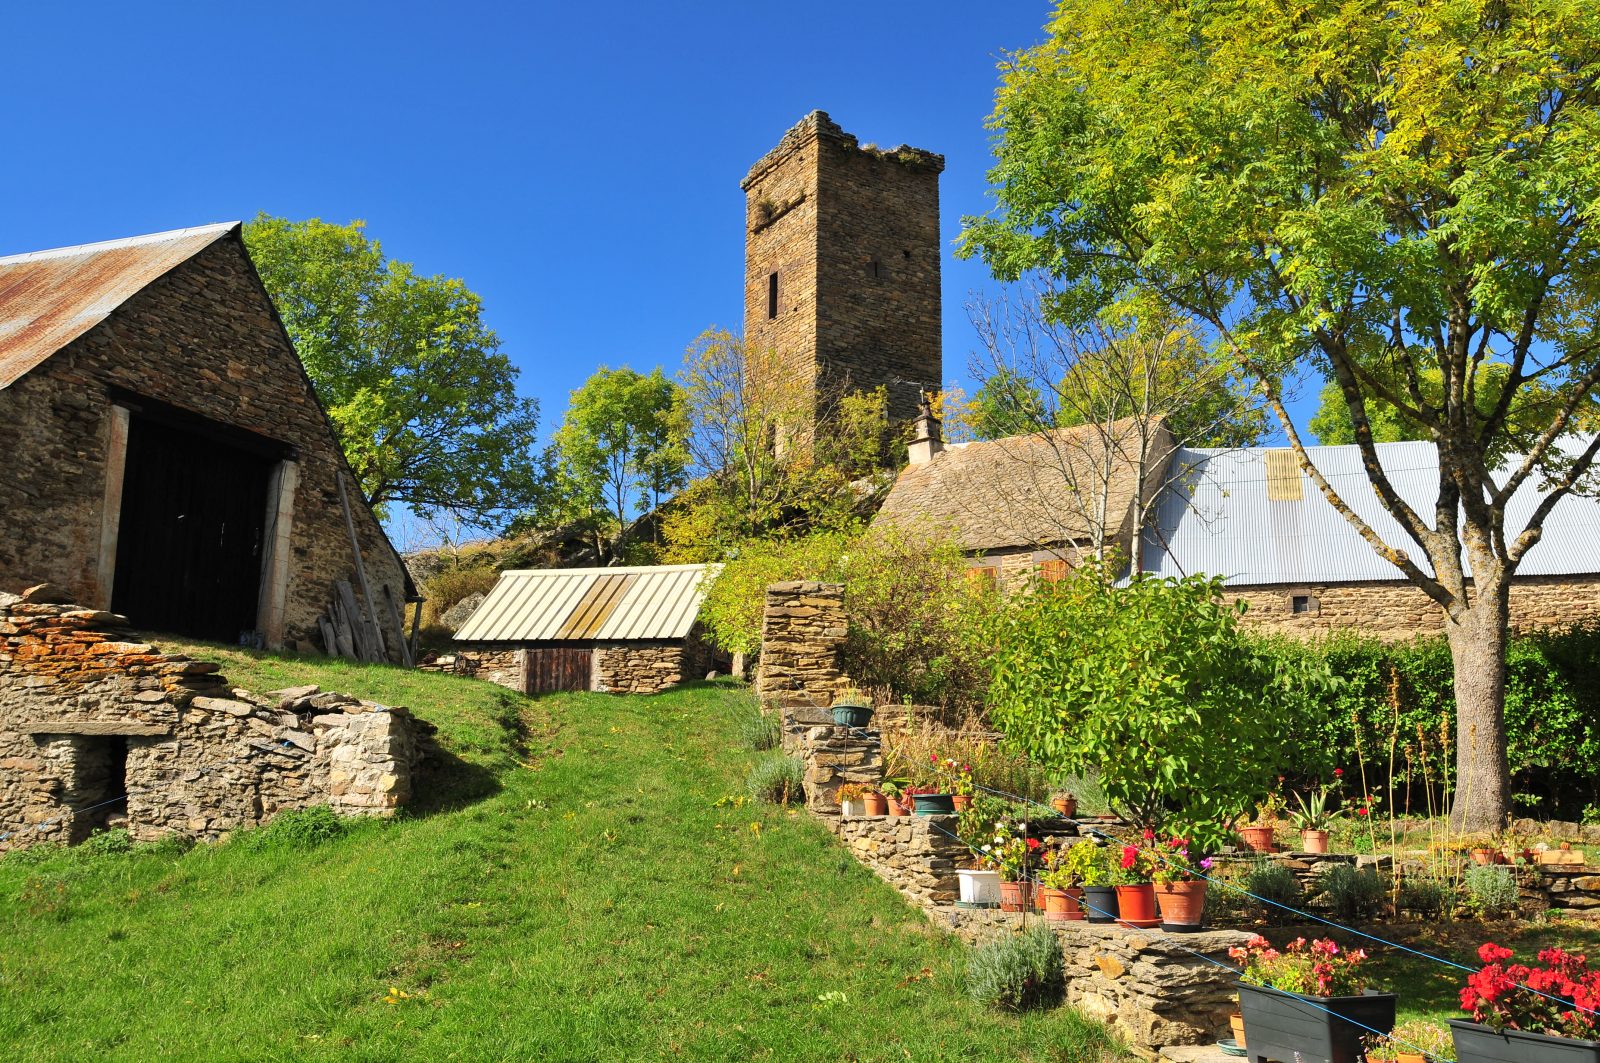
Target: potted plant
[958,777]
[1414,1041]
[1257,835]
[1310,998]
[1097,873]
[1236,1024]
[1136,896]
[1013,855]
[1066,804]
[852,800]
[980,887]
[1510,1023]
[1180,886]
[1314,818]
[876,804]
[1063,880]
[894,796]
[930,799]
[852,708]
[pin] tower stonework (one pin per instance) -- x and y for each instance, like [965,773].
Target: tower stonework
[842,267]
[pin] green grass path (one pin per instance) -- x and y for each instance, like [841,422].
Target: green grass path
[588,886]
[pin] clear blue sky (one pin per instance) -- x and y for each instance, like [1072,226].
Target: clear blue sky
[577,164]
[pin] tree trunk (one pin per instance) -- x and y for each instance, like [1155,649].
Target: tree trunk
[1478,641]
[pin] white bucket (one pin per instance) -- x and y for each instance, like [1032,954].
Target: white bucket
[852,809]
[979,887]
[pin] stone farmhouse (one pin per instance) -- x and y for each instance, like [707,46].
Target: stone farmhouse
[1017,507]
[166,456]
[621,630]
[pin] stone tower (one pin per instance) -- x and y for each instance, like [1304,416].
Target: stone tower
[841,267]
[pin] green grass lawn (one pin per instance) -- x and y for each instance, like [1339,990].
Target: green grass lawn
[587,883]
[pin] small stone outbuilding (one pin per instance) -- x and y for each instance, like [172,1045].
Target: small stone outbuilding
[622,630]
[99,729]
[166,456]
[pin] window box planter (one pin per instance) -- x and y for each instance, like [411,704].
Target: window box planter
[1476,1043]
[934,804]
[979,888]
[1100,904]
[1306,1029]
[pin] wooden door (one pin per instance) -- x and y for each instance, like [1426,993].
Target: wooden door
[550,668]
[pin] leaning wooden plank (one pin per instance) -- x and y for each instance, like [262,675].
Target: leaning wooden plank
[330,641]
[359,631]
[344,635]
[361,570]
[416,624]
[399,626]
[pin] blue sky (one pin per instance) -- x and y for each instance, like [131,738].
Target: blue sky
[577,164]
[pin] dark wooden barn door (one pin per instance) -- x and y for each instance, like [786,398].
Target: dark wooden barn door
[190,541]
[552,668]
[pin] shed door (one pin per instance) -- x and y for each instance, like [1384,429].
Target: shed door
[551,668]
[189,544]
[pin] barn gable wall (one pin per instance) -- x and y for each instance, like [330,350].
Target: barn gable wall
[203,338]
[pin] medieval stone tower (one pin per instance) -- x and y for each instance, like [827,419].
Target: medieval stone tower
[841,267]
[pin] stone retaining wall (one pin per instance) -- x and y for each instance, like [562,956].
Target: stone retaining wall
[914,854]
[802,640]
[86,710]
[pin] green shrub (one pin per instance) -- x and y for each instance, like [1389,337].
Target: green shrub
[108,842]
[1269,881]
[1491,891]
[1351,894]
[760,731]
[1017,971]
[297,829]
[1224,901]
[777,779]
[1426,896]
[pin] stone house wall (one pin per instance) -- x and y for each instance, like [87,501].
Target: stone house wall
[82,703]
[803,627]
[639,667]
[1396,610]
[205,338]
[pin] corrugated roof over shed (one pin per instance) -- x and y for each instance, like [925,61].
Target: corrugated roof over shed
[590,605]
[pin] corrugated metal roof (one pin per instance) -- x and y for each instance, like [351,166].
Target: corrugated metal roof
[590,604]
[1221,520]
[50,298]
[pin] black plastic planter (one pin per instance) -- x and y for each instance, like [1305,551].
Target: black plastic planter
[1100,902]
[934,804]
[852,715]
[1476,1043]
[1291,1028]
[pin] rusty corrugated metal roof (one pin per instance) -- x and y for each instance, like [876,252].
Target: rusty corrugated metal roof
[590,604]
[50,298]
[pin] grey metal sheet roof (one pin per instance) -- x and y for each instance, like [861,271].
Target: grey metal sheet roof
[1221,522]
[590,604]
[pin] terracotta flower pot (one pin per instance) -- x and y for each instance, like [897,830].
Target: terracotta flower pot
[1483,856]
[877,805]
[1137,906]
[1236,1022]
[1182,904]
[1062,905]
[1016,896]
[1258,839]
[896,808]
[962,802]
[1403,1056]
[1067,806]
[1314,841]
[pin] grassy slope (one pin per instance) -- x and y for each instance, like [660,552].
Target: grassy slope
[588,888]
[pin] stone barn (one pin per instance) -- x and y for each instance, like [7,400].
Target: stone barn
[623,630]
[166,456]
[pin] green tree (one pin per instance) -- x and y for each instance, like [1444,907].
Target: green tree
[1377,191]
[1007,404]
[621,445]
[424,403]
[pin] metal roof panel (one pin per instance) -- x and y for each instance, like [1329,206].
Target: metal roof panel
[594,604]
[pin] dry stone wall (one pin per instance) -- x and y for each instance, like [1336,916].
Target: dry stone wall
[98,728]
[203,337]
[803,628]
[914,854]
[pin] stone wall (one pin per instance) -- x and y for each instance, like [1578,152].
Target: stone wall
[803,629]
[205,338]
[87,713]
[1396,610]
[832,755]
[853,235]
[640,667]
[914,854]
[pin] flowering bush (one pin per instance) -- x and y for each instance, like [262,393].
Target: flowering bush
[1173,863]
[1139,862]
[1010,853]
[1494,995]
[955,776]
[1319,968]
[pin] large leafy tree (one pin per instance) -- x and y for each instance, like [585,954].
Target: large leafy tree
[425,404]
[1386,191]
[621,445]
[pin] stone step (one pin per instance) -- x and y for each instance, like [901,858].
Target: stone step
[1197,1054]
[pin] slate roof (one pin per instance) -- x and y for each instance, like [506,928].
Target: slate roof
[590,604]
[50,298]
[1017,491]
[1233,517]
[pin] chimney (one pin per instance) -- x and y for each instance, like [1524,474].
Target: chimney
[926,442]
